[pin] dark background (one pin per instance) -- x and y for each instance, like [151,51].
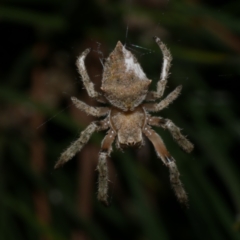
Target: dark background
[39,43]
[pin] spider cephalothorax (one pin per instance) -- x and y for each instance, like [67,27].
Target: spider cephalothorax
[127,119]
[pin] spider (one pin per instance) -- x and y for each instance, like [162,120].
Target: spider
[125,88]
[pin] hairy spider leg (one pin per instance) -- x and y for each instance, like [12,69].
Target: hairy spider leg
[77,145]
[174,130]
[93,111]
[85,77]
[102,168]
[167,58]
[156,107]
[169,161]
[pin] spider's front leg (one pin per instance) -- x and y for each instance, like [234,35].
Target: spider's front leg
[76,146]
[167,58]
[102,167]
[169,161]
[174,130]
[85,77]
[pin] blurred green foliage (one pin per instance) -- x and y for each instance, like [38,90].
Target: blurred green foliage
[39,44]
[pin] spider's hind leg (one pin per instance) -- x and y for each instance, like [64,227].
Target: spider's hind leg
[169,161]
[85,77]
[167,58]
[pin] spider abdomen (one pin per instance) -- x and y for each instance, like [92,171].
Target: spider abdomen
[124,84]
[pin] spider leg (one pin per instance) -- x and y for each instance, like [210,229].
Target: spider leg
[94,111]
[76,146]
[167,58]
[174,130]
[156,107]
[169,161]
[85,77]
[102,167]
